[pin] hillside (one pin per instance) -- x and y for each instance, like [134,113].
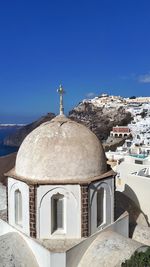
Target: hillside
[17,138]
[8,129]
[6,164]
[100,119]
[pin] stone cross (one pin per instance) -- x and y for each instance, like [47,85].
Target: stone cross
[61,93]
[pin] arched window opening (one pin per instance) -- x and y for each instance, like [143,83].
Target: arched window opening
[57,212]
[101,206]
[18,207]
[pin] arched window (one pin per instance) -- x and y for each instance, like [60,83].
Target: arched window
[18,207]
[57,212]
[101,206]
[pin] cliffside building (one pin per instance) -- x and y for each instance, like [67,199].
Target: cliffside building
[120,131]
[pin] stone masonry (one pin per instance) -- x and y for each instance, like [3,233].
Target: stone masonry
[32,209]
[84,210]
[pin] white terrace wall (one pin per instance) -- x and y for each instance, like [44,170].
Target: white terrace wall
[135,187]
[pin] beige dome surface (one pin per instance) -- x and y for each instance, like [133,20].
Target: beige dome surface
[60,149]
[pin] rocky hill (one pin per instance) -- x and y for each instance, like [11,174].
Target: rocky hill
[6,163]
[17,138]
[8,129]
[100,119]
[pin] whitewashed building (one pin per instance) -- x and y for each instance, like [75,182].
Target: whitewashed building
[60,197]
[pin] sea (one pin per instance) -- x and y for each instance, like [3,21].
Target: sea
[4,132]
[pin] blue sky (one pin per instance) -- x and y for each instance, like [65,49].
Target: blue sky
[90,47]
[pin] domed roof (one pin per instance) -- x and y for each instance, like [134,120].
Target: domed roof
[60,150]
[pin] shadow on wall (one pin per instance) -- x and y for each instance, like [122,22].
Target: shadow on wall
[125,203]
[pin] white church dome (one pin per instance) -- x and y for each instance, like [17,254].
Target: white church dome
[60,150]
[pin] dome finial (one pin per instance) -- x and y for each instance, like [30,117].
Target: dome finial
[61,93]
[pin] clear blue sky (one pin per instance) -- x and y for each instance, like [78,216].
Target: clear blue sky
[88,46]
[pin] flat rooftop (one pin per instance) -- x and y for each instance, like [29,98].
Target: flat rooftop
[59,245]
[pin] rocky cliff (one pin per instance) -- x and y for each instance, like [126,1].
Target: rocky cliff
[6,164]
[100,119]
[17,138]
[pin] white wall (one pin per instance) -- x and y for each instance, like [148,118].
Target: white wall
[108,212]
[14,185]
[72,257]
[128,166]
[132,160]
[135,187]
[2,197]
[44,257]
[72,211]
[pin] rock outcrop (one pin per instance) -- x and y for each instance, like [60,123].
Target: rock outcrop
[100,119]
[17,138]
[6,164]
